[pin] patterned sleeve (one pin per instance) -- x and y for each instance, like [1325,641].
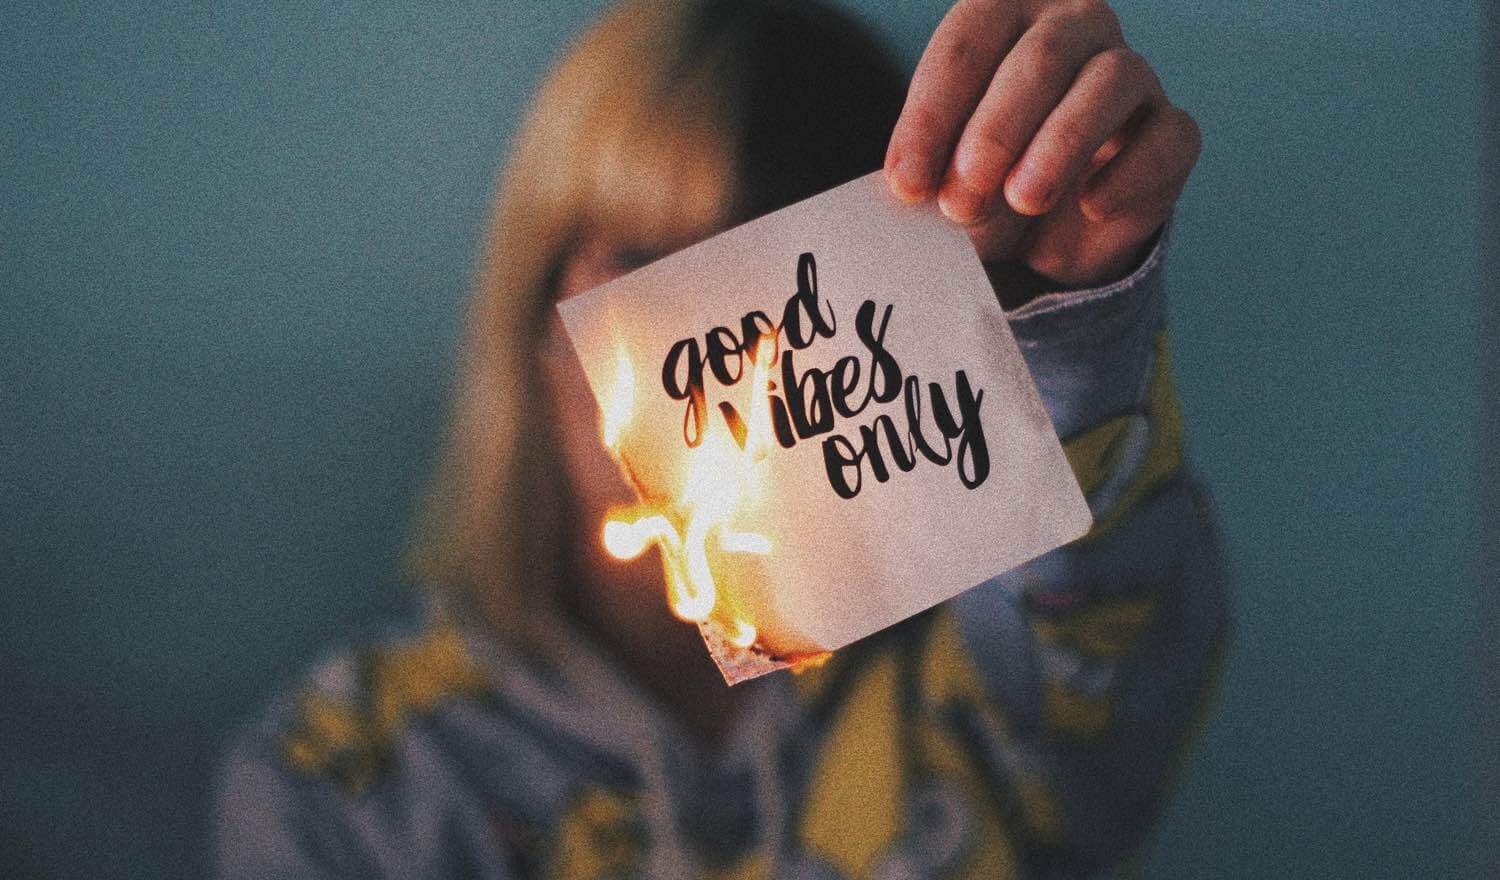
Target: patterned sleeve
[349,776]
[272,823]
[1097,658]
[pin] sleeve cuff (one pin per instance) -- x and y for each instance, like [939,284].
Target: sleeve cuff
[1089,350]
[1093,312]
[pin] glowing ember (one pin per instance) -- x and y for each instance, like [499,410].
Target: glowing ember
[721,477]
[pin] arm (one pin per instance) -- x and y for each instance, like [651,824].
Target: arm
[1097,658]
[350,777]
[273,823]
[1035,126]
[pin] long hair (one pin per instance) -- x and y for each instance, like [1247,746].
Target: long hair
[666,118]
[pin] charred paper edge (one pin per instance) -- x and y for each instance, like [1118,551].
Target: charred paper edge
[738,664]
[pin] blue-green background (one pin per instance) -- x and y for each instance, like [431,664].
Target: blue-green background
[235,245]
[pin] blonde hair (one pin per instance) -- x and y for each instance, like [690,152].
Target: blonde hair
[664,120]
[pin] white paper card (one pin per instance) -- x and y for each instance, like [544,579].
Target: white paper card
[901,365]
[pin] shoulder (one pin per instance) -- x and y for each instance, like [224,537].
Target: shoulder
[342,723]
[301,785]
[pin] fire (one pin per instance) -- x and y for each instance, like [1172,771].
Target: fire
[621,400]
[721,477]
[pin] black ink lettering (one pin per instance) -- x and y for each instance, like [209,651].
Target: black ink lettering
[717,353]
[808,403]
[972,447]
[804,303]
[838,458]
[811,414]
[752,327]
[845,379]
[781,423]
[883,362]
[689,387]
[914,424]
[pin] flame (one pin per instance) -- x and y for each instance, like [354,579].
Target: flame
[621,400]
[721,476]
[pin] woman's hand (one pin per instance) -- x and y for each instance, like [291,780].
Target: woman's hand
[1045,135]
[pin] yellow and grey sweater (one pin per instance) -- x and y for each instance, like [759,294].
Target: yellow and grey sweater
[1027,728]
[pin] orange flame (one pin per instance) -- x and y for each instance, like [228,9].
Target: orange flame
[621,400]
[721,476]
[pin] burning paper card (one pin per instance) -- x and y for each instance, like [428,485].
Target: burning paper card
[827,421]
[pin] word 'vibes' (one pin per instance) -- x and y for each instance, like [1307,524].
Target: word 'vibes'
[809,403]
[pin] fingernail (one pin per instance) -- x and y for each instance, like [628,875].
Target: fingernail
[966,162]
[912,177]
[1029,198]
[959,203]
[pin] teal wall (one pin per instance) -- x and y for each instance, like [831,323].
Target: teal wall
[235,248]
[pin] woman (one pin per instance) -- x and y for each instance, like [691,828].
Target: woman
[552,719]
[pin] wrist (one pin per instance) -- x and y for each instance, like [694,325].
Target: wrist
[1017,283]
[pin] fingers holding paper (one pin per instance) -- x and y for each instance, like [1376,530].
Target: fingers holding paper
[1039,129]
